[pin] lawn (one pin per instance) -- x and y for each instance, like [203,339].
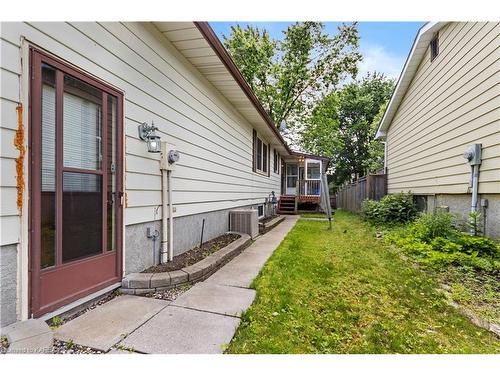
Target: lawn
[345,291]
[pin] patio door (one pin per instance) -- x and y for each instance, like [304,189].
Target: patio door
[76,184]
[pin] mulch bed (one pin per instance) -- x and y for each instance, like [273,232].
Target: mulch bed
[194,255]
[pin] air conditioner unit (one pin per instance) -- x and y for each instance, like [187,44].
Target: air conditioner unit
[245,221]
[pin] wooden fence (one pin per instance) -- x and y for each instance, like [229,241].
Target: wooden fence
[350,196]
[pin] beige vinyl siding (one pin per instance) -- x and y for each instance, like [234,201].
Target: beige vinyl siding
[159,84]
[10,71]
[451,103]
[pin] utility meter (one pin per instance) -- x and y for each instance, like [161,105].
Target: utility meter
[173,156]
[473,154]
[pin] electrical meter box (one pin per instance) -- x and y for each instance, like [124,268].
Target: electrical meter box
[473,154]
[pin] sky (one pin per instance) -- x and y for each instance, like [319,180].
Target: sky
[384,45]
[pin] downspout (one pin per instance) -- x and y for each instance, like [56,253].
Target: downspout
[473,156]
[168,158]
[475,187]
[165,193]
[385,155]
[170,215]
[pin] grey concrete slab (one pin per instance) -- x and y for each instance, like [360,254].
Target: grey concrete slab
[107,324]
[234,275]
[176,330]
[243,269]
[214,298]
[32,336]
[25,329]
[40,344]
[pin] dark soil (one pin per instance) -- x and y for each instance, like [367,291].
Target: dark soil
[194,255]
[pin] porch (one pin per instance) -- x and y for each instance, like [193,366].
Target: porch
[301,182]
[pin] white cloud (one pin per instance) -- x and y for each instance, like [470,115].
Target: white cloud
[377,58]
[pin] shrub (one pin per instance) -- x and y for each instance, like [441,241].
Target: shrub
[433,240]
[393,208]
[429,226]
[481,246]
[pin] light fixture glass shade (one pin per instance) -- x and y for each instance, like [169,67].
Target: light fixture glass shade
[154,144]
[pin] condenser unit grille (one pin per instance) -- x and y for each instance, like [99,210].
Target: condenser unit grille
[245,221]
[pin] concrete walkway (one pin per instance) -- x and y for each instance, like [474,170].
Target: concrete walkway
[202,320]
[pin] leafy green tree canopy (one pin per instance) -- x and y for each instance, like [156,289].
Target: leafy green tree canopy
[343,124]
[288,76]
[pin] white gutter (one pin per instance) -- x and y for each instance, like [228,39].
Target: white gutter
[420,45]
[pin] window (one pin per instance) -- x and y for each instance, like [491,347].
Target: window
[276,159]
[260,210]
[264,157]
[261,154]
[434,47]
[313,169]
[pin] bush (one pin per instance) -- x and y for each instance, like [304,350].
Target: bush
[482,246]
[429,226]
[393,208]
[433,240]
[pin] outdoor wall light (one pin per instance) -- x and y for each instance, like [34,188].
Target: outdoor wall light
[147,133]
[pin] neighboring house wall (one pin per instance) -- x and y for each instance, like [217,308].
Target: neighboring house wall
[215,142]
[451,102]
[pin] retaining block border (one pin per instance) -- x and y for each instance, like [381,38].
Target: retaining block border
[144,283]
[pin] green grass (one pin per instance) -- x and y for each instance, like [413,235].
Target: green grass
[344,291]
[313,215]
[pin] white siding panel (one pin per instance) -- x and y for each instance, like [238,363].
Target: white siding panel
[10,56]
[9,88]
[7,172]
[7,148]
[452,102]
[8,119]
[8,197]
[9,230]
[214,140]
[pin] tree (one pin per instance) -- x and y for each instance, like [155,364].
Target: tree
[342,126]
[288,76]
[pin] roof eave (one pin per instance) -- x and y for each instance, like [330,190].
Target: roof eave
[214,42]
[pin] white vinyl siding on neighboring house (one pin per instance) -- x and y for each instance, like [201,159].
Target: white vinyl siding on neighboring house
[451,102]
[214,141]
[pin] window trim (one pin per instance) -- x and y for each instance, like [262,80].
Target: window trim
[276,160]
[263,211]
[256,167]
[315,161]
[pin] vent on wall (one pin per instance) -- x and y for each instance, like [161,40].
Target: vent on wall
[245,221]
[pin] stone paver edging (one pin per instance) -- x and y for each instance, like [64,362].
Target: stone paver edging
[143,283]
[271,223]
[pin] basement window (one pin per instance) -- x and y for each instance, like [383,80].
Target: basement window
[260,211]
[434,47]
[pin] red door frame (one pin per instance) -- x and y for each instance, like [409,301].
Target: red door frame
[83,276]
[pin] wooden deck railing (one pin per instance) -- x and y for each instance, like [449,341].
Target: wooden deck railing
[309,187]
